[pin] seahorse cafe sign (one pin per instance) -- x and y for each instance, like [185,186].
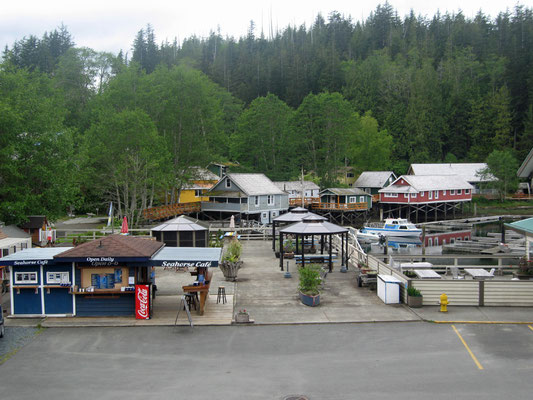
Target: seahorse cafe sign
[189,264]
[101,261]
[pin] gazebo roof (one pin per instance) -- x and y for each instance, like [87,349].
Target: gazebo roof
[314,228]
[299,210]
[298,216]
[180,224]
[524,226]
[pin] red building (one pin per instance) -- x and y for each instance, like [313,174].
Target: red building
[429,194]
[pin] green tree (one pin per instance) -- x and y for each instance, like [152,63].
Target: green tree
[371,148]
[503,165]
[263,140]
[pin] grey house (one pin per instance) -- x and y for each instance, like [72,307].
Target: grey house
[372,181]
[251,196]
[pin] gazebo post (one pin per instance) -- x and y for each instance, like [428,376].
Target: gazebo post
[297,244]
[343,264]
[281,250]
[303,258]
[330,255]
[274,235]
[321,244]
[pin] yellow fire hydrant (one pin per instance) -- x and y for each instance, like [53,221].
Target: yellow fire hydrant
[444,303]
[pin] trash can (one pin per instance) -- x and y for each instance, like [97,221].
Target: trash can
[389,289]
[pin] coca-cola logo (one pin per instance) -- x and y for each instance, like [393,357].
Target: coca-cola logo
[142,298]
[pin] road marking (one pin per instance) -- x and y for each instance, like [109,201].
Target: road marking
[468,348]
[530,327]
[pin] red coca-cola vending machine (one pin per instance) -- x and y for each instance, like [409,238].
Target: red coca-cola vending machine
[143,301]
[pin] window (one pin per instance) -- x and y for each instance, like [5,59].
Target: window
[444,192]
[430,193]
[436,241]
[228,183]
[57,277]
[361,199]
[349,175]
[391,194]
[452,192]
[406,195]
[352,199]
[256,200]
[422,194]
[198,192]
[436,194]
[270,200]
[24,245]
[413,195]
[460,191]
[430,242]
[5,252]
[467,191]
[25,277]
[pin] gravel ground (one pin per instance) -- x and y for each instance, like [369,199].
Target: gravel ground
[14,339]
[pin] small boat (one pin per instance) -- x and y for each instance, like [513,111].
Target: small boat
[393,227]
[367,237]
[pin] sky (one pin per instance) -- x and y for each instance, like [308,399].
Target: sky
[111,25]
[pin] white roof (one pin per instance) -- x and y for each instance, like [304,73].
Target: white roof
[296,185]
[254,184]
[423,183]
[467,171]
[526,169]
[373,179]
[35,254]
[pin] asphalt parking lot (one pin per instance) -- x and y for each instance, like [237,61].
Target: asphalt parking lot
[326,361]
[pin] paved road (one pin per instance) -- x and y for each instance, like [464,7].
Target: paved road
[343,361]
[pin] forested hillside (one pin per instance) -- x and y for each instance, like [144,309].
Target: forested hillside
[79,127]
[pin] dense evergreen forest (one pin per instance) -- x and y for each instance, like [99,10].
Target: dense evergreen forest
[79,128]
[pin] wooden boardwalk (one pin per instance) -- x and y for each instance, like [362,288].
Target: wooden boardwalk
[171,210]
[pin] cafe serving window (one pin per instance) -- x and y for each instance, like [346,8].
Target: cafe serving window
[25,277]
[104,278]
[57,277]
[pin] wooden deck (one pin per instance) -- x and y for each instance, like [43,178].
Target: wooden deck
[308,201]
[171,210]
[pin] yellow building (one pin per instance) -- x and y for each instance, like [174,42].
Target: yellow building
[202,180]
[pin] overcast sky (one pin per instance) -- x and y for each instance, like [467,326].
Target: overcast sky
[111,25]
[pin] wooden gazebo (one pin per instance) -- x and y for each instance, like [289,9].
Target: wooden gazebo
[181,232]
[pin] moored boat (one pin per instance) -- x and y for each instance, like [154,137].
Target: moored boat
[393,227]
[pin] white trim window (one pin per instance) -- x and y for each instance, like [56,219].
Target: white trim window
[256,200]
[57,277]
[362,199]
[26,277]
[391,194]
[406,195]
[228,183]
[460,192]
[444,192]
[467,191]
[422,194]
[413,195]
[452,192]
[430,195]
[436,194]
[352,199]
[270,200]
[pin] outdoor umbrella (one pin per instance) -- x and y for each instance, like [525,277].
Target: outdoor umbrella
[124,228]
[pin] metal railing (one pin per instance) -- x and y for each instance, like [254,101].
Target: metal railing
[340,206]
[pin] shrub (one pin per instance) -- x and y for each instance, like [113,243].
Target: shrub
[233,252]
[414,292]
[309,279]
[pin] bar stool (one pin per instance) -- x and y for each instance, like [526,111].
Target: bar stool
[191,300]
[221,296]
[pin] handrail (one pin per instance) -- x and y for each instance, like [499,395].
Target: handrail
[341,206]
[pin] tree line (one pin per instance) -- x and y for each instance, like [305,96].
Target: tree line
[79,127]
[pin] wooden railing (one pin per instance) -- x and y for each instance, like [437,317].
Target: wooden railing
[340,206]
[171,210]
[308,201]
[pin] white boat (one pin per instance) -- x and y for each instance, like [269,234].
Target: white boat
[366,237]
[393,227]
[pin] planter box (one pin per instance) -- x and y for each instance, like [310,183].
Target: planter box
[415,301]
[310,301]
[242,318]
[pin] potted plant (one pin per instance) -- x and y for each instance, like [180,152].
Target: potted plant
[525,269]
[231,260]
[414,297]
[288,248]
[309,284]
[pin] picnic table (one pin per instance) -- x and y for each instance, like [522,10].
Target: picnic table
[427,274]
